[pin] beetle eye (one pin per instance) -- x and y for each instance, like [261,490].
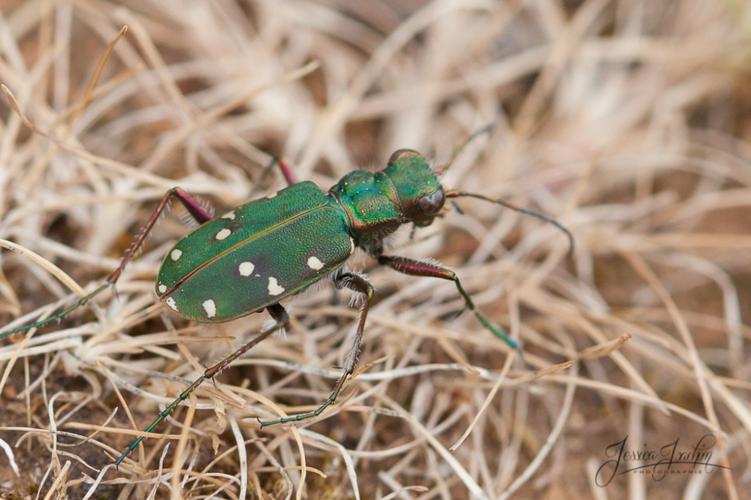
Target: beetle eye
[432,203]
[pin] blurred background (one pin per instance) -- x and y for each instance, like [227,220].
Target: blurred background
[628,121]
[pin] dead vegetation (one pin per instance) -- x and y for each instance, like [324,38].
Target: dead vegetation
[626,120]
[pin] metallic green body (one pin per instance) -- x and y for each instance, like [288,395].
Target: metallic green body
[269,249]
[378,203]
[264,251]
[256,255]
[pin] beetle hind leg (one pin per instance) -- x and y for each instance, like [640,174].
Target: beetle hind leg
[281,321]
[193,206]
[361,285]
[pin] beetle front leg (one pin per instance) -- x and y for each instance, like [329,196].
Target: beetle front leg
[418,268]
[361,285]
[282,321]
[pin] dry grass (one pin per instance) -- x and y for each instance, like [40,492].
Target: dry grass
[627,120]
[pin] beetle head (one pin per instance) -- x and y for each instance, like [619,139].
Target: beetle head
[421,196]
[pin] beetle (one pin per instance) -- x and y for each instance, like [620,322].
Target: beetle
[272,248]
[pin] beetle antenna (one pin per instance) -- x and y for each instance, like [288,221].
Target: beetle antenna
[457,207]
[525,211]
[486,129]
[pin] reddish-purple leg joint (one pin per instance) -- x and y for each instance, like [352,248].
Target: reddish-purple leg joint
[287,172]
[191,205]
[199,213]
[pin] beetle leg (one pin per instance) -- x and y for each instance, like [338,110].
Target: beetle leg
[190,203]
[287,172]
[284,167]
[289,175]
[361,285]
[435,270]
[282,320]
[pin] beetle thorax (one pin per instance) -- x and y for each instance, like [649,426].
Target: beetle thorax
[371,203]
[407,190]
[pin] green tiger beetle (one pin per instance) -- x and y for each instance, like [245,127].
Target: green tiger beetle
[274,247]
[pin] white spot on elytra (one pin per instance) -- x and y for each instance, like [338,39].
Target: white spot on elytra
[315,263]
[246,268]
[351,246]
[162,288]
[222,234]
[210,307]
[274,288]
[176,254]
[171,303]
[229,215]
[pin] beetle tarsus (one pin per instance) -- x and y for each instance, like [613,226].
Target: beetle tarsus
[282,320]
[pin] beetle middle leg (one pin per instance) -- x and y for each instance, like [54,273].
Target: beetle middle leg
[287,172]
[277,312]
[361,285]
[433,270]
[289,176]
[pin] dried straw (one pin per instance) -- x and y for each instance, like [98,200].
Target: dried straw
[625,120]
